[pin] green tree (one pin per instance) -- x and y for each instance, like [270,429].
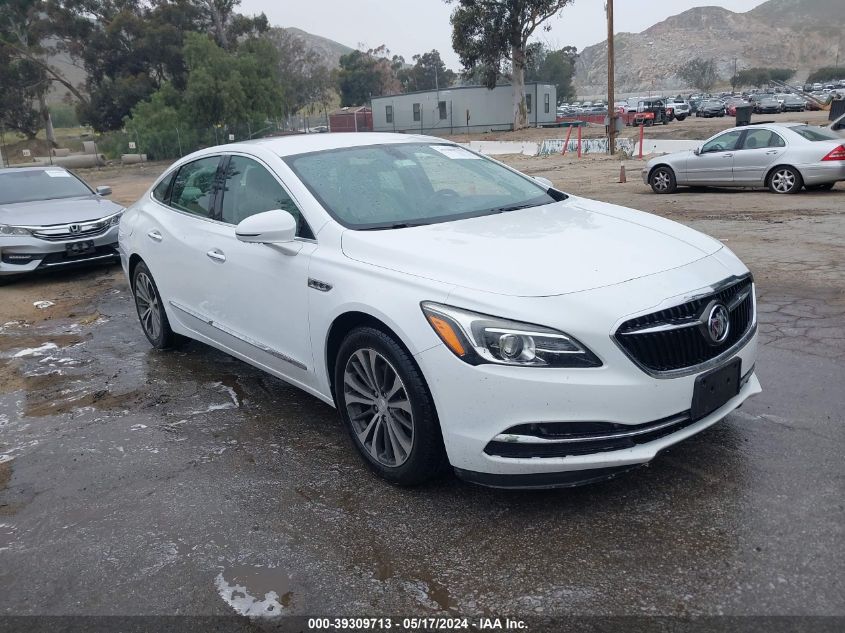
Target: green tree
[553,67]
[827,73]
[22,83]
[489,33]
[305,78]
[428,72]
[366,74]
[699,73]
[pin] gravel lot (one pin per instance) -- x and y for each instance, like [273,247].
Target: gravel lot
[138,482]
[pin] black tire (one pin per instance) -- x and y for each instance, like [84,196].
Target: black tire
[682,117]
[662,180]
[784,179]
[365,422]
[827,186]
[155,325]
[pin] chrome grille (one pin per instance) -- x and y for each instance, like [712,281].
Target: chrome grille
[63,232]
[674,340]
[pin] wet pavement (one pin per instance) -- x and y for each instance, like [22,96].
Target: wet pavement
[139,482]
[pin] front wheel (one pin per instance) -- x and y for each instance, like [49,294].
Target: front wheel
[150,309]
[385,404]
[662,180]
[785,180]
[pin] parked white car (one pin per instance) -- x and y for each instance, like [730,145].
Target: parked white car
[455,311]
[783,157]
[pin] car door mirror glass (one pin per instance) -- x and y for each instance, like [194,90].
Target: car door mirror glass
[269,227]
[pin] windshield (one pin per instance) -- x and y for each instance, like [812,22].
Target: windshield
[399,185]
[815,133]
[40,184]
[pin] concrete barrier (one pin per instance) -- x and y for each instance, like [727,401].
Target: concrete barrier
[588,146]
[133,159]
[61,151]
[494,148]
[74,161]
[666,146]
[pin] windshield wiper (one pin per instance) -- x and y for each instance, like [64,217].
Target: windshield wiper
[513,207]
[397,225]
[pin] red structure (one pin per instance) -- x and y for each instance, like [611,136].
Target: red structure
[358,119]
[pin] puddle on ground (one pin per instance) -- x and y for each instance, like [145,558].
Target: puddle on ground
[47,402]
[255,591]
[16,343]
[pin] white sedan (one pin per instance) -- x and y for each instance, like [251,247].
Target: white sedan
[783,157]
[456,312]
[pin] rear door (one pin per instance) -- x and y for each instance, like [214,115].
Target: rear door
[759,150]
[714,164]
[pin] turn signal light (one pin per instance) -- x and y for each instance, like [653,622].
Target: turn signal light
[836,154]
[447,333]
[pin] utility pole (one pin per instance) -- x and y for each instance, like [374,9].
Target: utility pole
[611,97]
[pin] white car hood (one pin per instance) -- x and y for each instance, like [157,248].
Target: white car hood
[559,248]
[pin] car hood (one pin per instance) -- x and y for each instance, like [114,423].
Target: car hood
[59,211]
[565,247]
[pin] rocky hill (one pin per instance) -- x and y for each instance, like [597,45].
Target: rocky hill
[328,50]
[800,34]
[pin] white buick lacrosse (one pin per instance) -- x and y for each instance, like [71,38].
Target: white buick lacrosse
[455,311]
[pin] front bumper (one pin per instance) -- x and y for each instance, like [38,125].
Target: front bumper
[26,254]
[478,406]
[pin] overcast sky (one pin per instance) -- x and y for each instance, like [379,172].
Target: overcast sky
[408,27]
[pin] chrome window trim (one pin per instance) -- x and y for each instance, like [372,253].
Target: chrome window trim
[241,337]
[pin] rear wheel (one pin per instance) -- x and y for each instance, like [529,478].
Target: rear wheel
[662,180]
[785,180]
[385,404]
[150,309]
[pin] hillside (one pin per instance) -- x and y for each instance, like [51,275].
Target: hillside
[800,34]
[328,50]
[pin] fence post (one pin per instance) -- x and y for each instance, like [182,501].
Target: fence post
[566,144]
[179,141]
[579,141]
[642,134]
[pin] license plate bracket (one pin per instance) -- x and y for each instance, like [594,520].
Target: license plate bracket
[715,388]
[75,249]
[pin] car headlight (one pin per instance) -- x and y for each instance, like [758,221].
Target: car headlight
[7,229]
[115,219]
[479,338]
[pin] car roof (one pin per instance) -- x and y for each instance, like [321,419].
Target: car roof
[8,170]
[305,143]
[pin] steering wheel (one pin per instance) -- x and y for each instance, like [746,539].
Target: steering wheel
[443,194]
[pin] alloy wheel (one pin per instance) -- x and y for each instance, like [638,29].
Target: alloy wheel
[378,407]
[660,180]
[146,301]
[783,180]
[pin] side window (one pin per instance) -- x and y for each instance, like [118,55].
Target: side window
[388,113]
[248,188]
[416,112]
[194,185]
[723,143]
[162,190]
[758,139]
[441,105]
[528,103]
[546,103]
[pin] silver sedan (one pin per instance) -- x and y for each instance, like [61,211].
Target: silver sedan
[49,219]
[783,157]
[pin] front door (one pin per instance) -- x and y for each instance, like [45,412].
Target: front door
[261,307]
[714,163]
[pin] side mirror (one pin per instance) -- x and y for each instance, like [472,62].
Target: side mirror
[276,228]
[103,190]
[544,181]
[697,151]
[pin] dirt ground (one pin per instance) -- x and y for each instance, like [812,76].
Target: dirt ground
[140,482]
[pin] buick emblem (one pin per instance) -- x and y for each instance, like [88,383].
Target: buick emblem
[74,229]
[716,323]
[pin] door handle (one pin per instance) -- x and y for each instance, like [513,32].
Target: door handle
[727,155]
[155,236]
[773,151]
[217,255]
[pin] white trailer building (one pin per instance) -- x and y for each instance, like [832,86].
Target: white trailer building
[461,109]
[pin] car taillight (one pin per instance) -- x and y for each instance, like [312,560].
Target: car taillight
[836,154]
